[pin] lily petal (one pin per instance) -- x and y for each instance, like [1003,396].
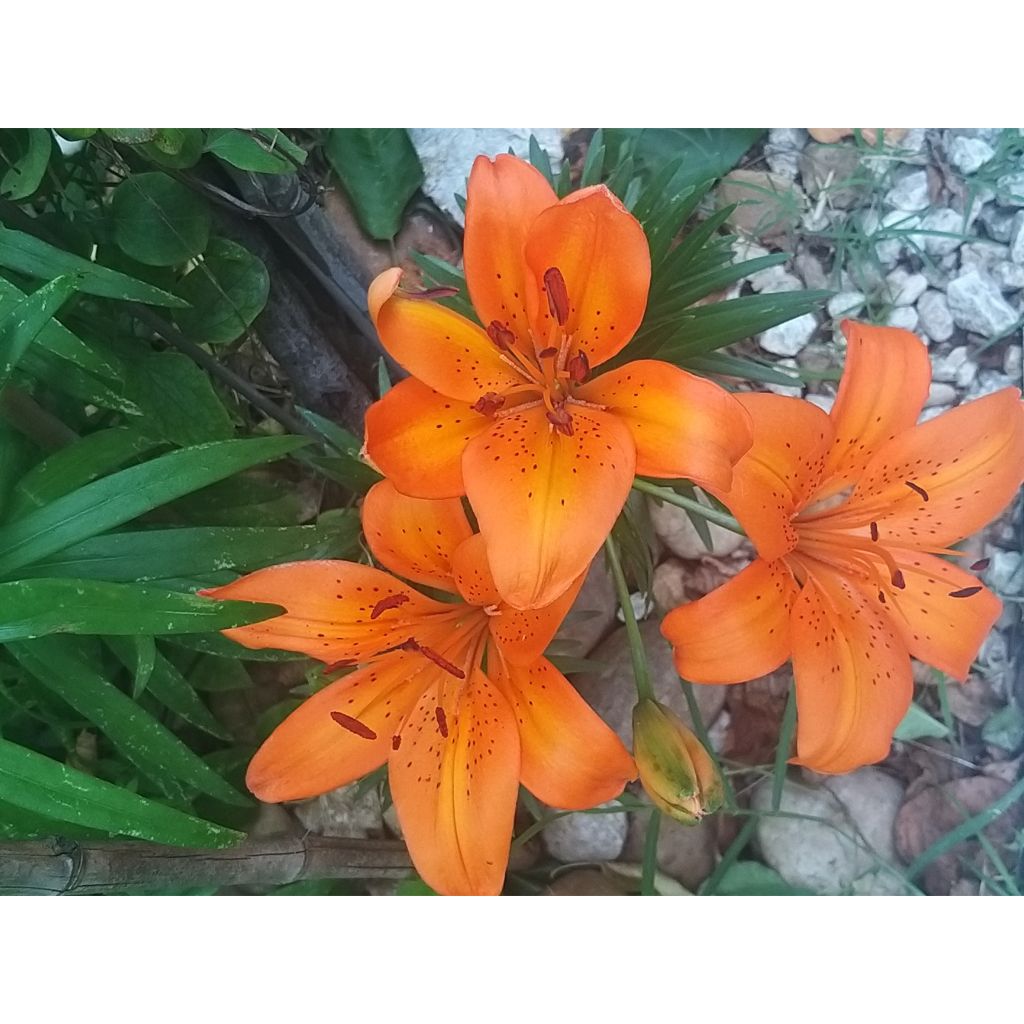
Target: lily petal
[435,344]
[682,425]
[739,631]
[416,437]
[414,537]
[522,634]
[571,759]
[773,480]
[944,479]
[943,631]
[455,794]
[503,199]
[330,609]
[546,501]
[601,251]
[882,392]
[310,753]
[852,671]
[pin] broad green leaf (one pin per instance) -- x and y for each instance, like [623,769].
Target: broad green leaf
[67,379]
[131,136]
[120,497]
[17,823]
[267,150]
[380,171]
[751,878]
[31,256]
[23,324]
[918,724]
[39,607]
[176,148]
[226,291]
[177,399]
[188,552]
[93,456]
[150,746]
[158,221]
[256,499]
[43,786]
[24,152]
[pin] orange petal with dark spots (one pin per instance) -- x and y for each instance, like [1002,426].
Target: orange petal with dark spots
[739,631]
[436,345]
[309,753]
[969,461]
[781,469]
[571,759]
[456,795]
[601,251]
[682,425]
[544,500]
[881,393]
[852,671]
[943,631]
[504,198]
[416,437]
[523,634]
[414,537]
[329,607]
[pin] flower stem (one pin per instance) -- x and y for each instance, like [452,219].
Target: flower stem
[666,494]
[641,673]
[650,864]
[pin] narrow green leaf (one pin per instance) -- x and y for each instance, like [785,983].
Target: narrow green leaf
[23,324]
[593,165]
[30,255]
[159,221]
[145,659]
[38,784]
[540,159]
[25,153]
[380,171]
[115,499]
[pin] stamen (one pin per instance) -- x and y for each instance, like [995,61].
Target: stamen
[917,490]
[492,610]
[547,353]
[442,721]
[874,530]
[898,581]
[558,295]
[413,645]
[396,741]
[500,335]
[387,603]
[433,293]
[353,725]
[579,368]
[966,592]
[560,420]
[981,564]
[335,666]
[488,404]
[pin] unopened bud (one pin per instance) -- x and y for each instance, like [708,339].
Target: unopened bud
[678,774]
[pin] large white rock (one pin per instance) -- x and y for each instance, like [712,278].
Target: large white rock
[934,316]
[977,305]
[910,192]
[789,338]
[582,837]
[447,155]
[968,155]
[676,531]
[950,224]
[905,288]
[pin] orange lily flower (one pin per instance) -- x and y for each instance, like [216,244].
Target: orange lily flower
[849,513]
[509,414]
[456,697]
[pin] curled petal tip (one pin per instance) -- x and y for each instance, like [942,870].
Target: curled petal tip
[383,286]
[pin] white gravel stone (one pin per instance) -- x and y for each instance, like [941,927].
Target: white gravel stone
[903,316]
[966,373]
[1012,363]
[782,150]
[846,304]
[1009,276]
[789,338]
[910,192]
[447,155]
[775,279]
[988,382]
[674,529]
[783,389]
[978,305]
[947,221]
[981,254]
[1010,189]
[998,221]
[824,402]
[810,269]
[948,366]
[940,393]
[906,288]
[1016,240]
[934,316]
[968,155]
[1005,572]
[586,837]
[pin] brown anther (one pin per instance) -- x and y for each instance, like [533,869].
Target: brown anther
[966,592]
[898,581]
[881,597]
[433,293]
[874,531]
[396,741]
[500,335]
[981,564]
[442,722]
[560,420]
[353,725]
[558,295]
[917,490]
[579,368]
[414,645]
[488,404]
[387,603]
[547,353]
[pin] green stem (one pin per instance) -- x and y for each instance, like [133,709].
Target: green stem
[782,751]
[641,673]
[666,494]
[650,865]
